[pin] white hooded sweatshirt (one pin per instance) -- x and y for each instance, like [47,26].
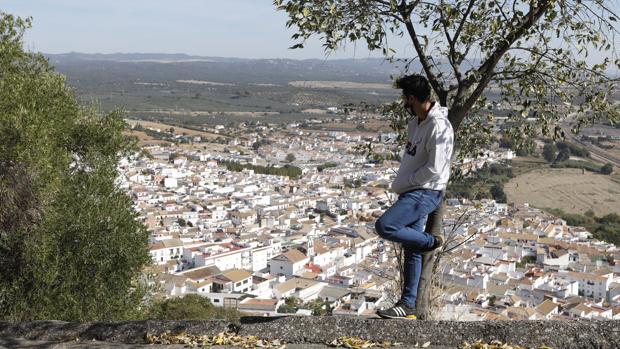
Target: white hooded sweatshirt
[425,162]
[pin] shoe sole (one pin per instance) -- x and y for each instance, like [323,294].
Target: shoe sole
[408,317]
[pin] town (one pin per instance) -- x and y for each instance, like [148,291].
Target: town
[287,226]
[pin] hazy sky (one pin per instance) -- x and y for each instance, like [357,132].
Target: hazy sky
[226,28]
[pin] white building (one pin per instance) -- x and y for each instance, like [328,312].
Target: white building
[289,263]
[164,250]
[170,183]
[233,281]
[590,285]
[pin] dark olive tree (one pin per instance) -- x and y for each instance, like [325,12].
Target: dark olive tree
[70,245]
[546,59]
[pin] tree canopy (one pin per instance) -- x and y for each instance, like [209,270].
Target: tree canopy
[547,59]
[70,245]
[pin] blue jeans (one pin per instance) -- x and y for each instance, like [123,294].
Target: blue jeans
[404,222]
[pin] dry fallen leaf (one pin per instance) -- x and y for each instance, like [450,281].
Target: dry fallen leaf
[222,338]
[359,343]
[495,344]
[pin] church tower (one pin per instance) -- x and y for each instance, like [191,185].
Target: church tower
[310,247]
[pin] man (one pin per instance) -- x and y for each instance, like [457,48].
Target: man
[421,179]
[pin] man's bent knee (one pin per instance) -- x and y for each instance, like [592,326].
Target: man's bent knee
[382,228]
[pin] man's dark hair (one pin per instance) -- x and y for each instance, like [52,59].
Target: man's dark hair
[415,85]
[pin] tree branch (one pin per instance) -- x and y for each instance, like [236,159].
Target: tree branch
[557,60]
[426,65]
[485,71]
[470,6]
[452,56]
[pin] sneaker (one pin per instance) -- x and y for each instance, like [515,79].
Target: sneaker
[439,241]
[398,311]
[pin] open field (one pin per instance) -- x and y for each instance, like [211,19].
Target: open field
[177,130]
[339,84]
[615,151]
[524,164]
[370,126]
[567,189]
[144,139]
[207,113]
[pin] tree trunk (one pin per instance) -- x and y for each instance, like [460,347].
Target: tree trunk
[456,114]
[429,259]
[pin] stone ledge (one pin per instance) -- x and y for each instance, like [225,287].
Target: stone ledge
[556,334]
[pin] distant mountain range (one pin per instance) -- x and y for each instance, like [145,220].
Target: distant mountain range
[135,57]
[223,69]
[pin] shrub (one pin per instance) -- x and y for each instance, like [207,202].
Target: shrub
[607,169]
[190,307]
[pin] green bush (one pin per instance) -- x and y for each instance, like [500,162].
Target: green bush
[287,170]
[290,306]
[573,149]
[607,169]
[190,307]
[563,155]
[320,168]
[479,185]
[606,228]
[550,151]
[497,191]
[588,165]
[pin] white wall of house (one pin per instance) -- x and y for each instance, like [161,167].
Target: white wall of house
[280,267]
[323,258]
[494,252]
[160,256]
[170,183]
[561,262]
[224,261]
[279,295]
[243,286]
[262,290]
[362,251]
[163,255]
[311,292]
[222,299]
[298,267]
[506,267]
[287,268]
[594,289]
[260,257]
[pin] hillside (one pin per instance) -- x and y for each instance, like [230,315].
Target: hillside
[148,84]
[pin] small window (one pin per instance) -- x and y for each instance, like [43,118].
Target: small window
[238,284]
[216,301]
[245,281]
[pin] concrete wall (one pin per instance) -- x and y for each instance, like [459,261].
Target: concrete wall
[294,329]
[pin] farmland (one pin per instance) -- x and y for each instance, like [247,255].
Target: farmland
[570,190]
